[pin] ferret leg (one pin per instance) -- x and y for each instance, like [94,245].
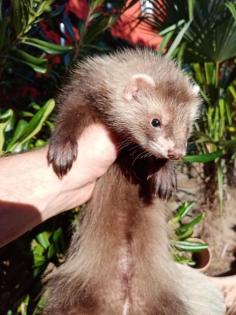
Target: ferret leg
[75,311]
[72,311]
[164,179]
[165,303]
[170,304]
[71,121]
[65,297]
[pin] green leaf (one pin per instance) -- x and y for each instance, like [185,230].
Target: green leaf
[229,114]
[200,78]
[201,137]
[229,145]
[40,143]
[95,3]
[19,130]
[49,48]
[19,15]
[184,260]
[178,39]
[191,5]
[188,227]
[29,58]
[210,71]
[58,239]
[23,306]
[203,158]
[232,7]
[38,252]
[189,246]
[6,121]
[222,117]
[183,233]
[36,68]
[183,210]
[96,28]
[165,41]
[39,261]
[51,251]
[57,235]
[36,63]
[35,124]
[172,28]
[10,119]
[233,91]
[43,239]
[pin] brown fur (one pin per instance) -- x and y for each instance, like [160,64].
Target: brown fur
[119,258]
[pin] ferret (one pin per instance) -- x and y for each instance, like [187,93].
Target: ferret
[119,261]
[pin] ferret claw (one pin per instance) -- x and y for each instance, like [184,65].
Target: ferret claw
[61,154]
[165,181]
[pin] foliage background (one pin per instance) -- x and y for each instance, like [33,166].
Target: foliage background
[39,43]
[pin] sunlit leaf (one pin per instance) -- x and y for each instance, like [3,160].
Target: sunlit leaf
[189,246]
[7,119]
[203,158]
[232,7]
[35,125]
[49,48]
[30,58]
[43,239]
[183,229]
[19,131]
[178,39]
[183,210]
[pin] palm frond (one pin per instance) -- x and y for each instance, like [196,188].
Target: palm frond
[211,36]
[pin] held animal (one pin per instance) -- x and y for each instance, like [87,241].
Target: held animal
[119,261]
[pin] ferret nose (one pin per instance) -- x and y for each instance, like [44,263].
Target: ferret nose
[174,154]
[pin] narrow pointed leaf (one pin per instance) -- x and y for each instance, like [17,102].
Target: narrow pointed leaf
[35,124]
[189,246]
[20,128]
[49,48]
[178,39]
[203,158]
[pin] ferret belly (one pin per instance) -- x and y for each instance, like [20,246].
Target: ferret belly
[126,272]
[126,283]
[130,233]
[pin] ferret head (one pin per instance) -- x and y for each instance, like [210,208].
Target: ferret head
[160,115]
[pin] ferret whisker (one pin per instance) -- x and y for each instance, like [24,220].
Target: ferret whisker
[146,155]
[121,146]
[134,148]
[138,157]
[124,144]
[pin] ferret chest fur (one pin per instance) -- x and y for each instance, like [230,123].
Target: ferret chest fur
[123,228]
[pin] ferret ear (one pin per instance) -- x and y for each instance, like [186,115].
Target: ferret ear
[139,82]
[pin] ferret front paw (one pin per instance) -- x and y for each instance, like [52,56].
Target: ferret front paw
[62,153]
[165,181]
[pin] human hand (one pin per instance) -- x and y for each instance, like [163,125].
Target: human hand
[96,152]
[30,191]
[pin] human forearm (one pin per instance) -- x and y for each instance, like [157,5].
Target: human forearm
[30,192]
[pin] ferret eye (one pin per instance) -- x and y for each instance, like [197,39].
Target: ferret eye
[156,123]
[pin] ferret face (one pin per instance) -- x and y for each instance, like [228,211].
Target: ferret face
[160,115]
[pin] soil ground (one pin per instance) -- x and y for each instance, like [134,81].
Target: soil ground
[218,230]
